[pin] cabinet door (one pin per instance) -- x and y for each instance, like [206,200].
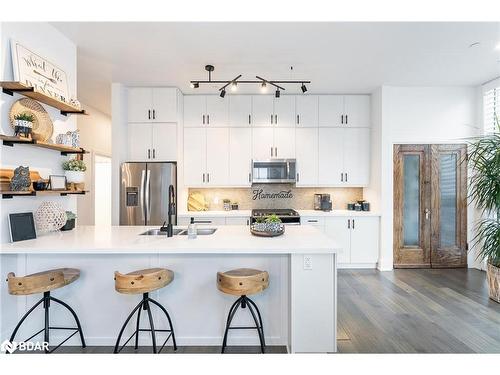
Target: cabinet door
[164,104]
[338,229]
[331,156]
[139,142]
[195,109]
[240,156]
[284,143]
[217,111]
[195,156]
[240,110]
[262,143]
[164,142]
[284,111]
[140,103]
[364,239]
[306,111]
[217,156]
[306,153]
[201,221]
[357,156]
[262,110]
[357,111]
[330,110]
[237,221]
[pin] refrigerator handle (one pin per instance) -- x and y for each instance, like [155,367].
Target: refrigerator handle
[141,193]
[148,200]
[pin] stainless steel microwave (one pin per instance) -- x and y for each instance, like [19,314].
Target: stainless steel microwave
[273,171]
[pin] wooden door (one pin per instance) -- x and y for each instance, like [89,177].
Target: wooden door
[412,206]
[430,206]
[448,206]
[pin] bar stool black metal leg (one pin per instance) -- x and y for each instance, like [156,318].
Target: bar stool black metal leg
[169,320]
[46,305]
[136,346]
[151,323]
[232,312]
[125,324]
[261,333]
[23,319]
[260,320]
[80,331]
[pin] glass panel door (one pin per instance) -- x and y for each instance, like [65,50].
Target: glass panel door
[411,200]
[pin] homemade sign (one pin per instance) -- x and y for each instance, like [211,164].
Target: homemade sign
[282,194]
[34,70]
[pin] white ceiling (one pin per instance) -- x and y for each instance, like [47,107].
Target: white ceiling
[337,57]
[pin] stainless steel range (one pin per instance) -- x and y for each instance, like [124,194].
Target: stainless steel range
[287,216]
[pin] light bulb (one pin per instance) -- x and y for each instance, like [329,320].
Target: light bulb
[234,86]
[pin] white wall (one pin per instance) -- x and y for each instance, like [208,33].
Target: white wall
[95,137]
[50,43]
[417,115]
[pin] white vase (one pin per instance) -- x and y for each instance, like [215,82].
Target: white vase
[76,177]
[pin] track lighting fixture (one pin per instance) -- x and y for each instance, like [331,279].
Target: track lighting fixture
[235,81]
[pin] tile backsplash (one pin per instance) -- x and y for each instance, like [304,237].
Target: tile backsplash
[277,196]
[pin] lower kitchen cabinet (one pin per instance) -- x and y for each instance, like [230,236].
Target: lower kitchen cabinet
[212,220]
[152,142]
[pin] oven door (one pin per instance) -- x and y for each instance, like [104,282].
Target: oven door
[274,171]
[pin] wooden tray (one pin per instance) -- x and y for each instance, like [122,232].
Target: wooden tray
[266,234]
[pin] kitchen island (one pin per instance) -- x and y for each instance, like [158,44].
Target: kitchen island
[298,308]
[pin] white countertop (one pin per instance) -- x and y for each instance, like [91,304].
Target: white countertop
[228,239]
[232,213]
[248,213]
[316,213]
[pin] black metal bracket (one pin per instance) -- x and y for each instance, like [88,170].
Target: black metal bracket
[75,112]
[12,91]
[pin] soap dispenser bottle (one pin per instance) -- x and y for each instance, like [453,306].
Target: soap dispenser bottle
[192,229]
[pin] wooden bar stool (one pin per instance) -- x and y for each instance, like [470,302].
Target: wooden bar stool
[243,282]
[44,282]
[144,281]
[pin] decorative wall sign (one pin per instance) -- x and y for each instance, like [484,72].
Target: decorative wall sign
[259,194]
[36,71]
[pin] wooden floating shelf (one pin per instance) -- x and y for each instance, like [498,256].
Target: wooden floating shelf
[31,193]
[10,87]
[64,150]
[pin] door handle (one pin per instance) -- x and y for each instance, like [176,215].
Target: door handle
[141,194]
[149,114]
[427,213]
[148,201]
[154,115]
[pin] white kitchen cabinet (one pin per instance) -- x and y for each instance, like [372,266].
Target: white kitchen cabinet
[306,111]
[284,143]
[201,221]
[157,104]
[364,240]
[217,170]
[262,143]
[331,156]
[318,222]
[240,156]
[262,110]
[240,110]
[195,156]
[217,113]
[195,108]
[338,229]
[152,142]
[350,111]
[237,221]
[356,156]
[306,153]
[284,111]
[330,110]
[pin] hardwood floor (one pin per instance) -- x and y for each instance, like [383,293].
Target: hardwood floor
[416,311]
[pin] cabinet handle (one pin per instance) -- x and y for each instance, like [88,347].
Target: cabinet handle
[346,177]
[342,119]
[348,223]
[341,177]
[352,223]
[248,222]
[203,177]
[276,152]
[154,114]
[271,151]
[298,119]
[154,152]
[276,119]
[149,153]
[271,118]
[249,119]
[297,176]
[203,119]
[149,114]
[249,177]
[346,119]
[208,119]
[312,221]
[208,177]
[203,221]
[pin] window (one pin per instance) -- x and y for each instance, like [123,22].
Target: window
[491,110]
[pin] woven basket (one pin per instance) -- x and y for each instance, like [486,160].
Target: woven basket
[494,282]
[42,124]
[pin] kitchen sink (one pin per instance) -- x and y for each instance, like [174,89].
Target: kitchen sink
[157,232]
[201,231]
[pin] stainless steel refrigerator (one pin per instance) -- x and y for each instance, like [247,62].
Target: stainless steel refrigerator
[144,193]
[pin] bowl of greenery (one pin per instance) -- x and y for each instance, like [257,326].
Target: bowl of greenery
[268,226]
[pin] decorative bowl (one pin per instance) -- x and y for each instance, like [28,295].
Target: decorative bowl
[267,229]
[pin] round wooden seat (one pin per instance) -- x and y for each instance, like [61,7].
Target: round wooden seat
[143,281]
[42,281]
[242,281]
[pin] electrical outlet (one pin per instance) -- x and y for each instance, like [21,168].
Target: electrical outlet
[308,263]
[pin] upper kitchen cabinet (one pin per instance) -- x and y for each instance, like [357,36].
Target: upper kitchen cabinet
[146,104]
[284,111]
[262,110]
[331,156]
[306,151]
[152,142]
[217,173]
[240,110]
[306,111]
[240,156]
[270,143]
[351,111]
[205,110]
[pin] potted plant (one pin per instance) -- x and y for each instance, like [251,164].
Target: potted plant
[74,170]
[484,160]
[70,221]
[23,125]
